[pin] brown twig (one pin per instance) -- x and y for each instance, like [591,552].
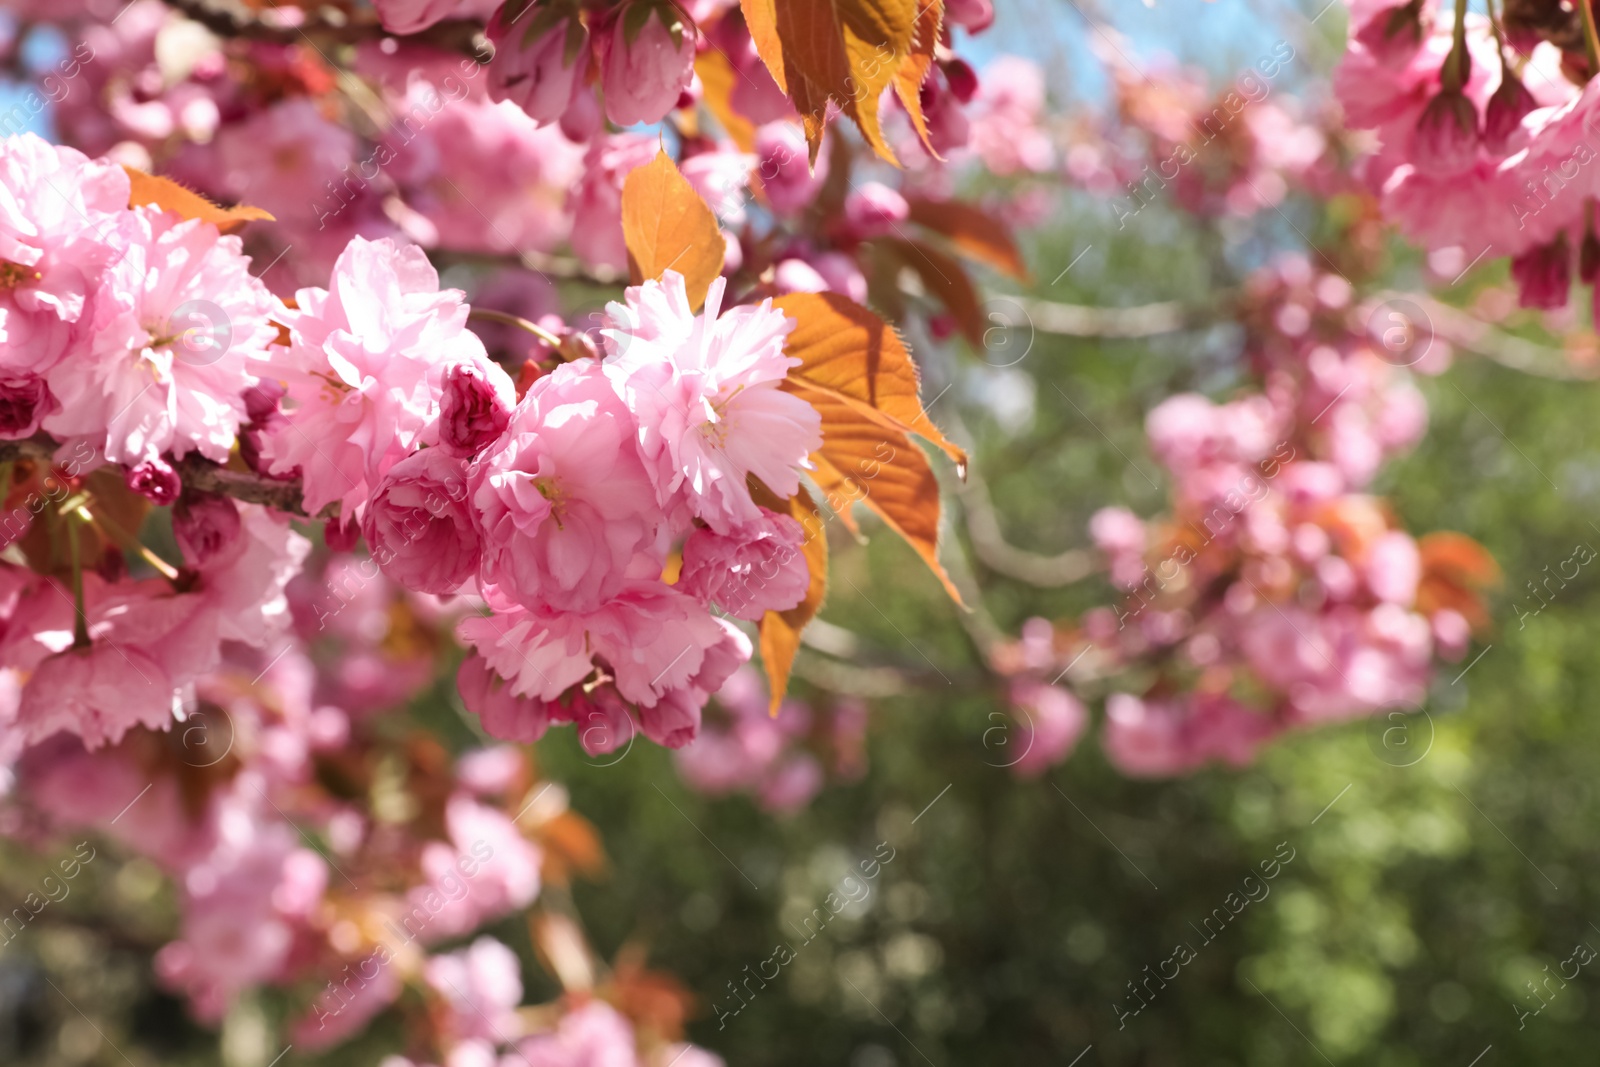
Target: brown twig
[229,18]
[196,472]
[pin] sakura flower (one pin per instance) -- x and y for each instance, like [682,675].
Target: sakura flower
[504,714]
[564,502]
[180,330]
[57,209]
[705,390]
[486,870]
[592,1034]
[362,369]
[97,693]
[474,407]
[481,985]
[755,569]
[1052,720]
[652,639]
[419,524]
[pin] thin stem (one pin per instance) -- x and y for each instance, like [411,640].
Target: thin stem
[1456,64]
[128,543]
[1591,41]
[505,318]
[80,621]
[1499,40]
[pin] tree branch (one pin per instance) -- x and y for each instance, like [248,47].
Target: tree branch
[232,19]
[989,544]
[1078,320]
[196,472]
[1467,331]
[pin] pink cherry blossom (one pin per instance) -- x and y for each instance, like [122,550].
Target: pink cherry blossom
[420,526]
[706,392]
[566,508]
[362,369]
[180,329]
[754,569]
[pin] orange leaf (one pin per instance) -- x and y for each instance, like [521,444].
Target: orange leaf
[947,279]
[1454,568]
[717,79]
[168,195]
[780,630]
[1458,557]
[570,844]
[885,470]
[914,71]
[668,227]
[850,355]
[845,52]
[761,19]
[975,233]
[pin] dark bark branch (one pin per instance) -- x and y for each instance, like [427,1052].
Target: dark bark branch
[196,472]
[230,18]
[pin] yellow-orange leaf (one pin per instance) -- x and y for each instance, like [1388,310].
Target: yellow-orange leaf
[761,19]
[914,71]
[668,227]
[885,470]
[945,277]
[842,51]
[168,195]
[718,79]
[571,845]
[849,354]
[974,232]
[780,630]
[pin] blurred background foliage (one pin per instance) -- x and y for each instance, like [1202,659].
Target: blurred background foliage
[1421,901]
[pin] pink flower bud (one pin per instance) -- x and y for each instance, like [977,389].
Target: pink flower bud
[340,536]
[963,80]
[24,400]
[974,16]
[1589,258]
[1502,119]
[204,524]
[757,568]
[1544,275]
[1446,139]
[1393,35]
[474,408]
[648,62]
[875,210]
[419,524]
[602,721]
[155,480]
[582,121]
[540,59]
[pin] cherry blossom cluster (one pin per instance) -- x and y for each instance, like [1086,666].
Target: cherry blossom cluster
[510,150]
[1278,594]
[1485,132]
[781,760]
[1166,138]
[313,849]
[559,509]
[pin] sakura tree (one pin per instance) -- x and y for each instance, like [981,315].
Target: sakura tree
[538,345]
